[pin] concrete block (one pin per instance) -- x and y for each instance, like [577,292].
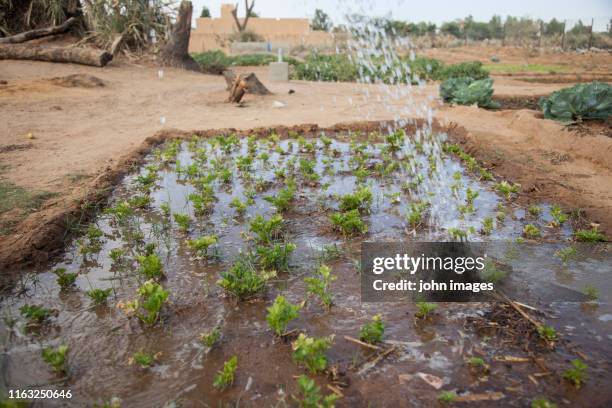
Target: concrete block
[279,71]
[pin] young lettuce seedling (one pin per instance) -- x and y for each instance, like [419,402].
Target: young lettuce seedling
[280,314]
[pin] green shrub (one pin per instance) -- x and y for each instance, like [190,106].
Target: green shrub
[360,199]
[65,279]
[373,332]
[328,68]
[99,296]
[213,62]
[310,352]
[592,235]
[467,91]
[280,314]
[349,223]
[319,285]
[34,313]
[275,257]
[581,101]
[266,230]
[150,266]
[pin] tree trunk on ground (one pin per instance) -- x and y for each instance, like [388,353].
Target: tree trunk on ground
[41,32]
[84,56]
[176,52]
[252,83]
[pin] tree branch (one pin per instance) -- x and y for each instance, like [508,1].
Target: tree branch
[235,15]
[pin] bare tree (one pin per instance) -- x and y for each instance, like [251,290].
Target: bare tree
[249,11]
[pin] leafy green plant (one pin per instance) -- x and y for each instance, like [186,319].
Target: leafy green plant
[542,402]
[467,91]
[534,210]
[275,257]
[183,221]
[360,199]
[559,217]
[280,314]
[150,266]
[239,206]
[210,338]
[577,373]
[373,331]
[416,214]
[476,361]
[566,254]
[472,69]
[507,189]
[93,242]
[592,235]
[547,333]
[201,245]
[65,279]
[310,352]
[34,313]
[266,230]
[283,198]
[447,397]
[579,102]
[56,358]
[310,395]
[531,231]
[491,273]
[424,309]
[225,377]
[242,280]
[147,307]
[99,296]
[487,226]
[349,223]
[319,285]
[143,359]
[591,292]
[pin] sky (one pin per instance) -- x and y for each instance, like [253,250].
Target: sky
[436,11]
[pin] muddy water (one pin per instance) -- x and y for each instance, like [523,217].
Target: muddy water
[102,339]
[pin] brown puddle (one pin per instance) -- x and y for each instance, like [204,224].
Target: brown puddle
[102,339]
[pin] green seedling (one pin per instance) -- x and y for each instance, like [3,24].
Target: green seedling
[395,140]
[329,252]
[99,296]
[424,310]
[547,333]
[460,234]
[239,206]
[530,231]
[280,314]
[143,359]
[361,174]
[592,235]
[94,241]
[360,199]
[507,189]
[65,279]
[319,285]
[487,226]
[183,221]
[150,266]
[201,245]
[310,352]
[591,292]
[349,223]
[140,201]
[225,175]
[121,212]
[275,257]
[244,163]
[307,168]
[394,198]
[242,280]
[116,255]
[373,332]
[35,314]
[202,201]
[417,212]
[56,358]
[210,338]
[577,373]
[310,395]
[566,254]
[447,397]
[165,209]
[327,142]
[491,273]
[225,377]
[534,210]
[542,402]
[283,198]
[147,307]
[559,217]
[266,230]
[476,362]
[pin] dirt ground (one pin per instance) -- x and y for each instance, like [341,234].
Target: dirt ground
[61,135]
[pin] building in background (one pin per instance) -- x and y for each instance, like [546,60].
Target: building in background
[286,33]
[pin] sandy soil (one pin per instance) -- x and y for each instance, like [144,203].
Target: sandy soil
[80,132]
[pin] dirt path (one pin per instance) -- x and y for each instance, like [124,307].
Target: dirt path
[80,132]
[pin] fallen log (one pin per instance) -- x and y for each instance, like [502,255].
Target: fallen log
[176,51]
[39,33]
[83,56]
